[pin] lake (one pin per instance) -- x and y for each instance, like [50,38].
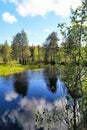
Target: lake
[23,93]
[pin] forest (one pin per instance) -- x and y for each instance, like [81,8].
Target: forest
[72,48]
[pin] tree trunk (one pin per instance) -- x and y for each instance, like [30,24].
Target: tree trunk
[74,115]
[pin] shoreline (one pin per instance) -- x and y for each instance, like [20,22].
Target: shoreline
[6,70]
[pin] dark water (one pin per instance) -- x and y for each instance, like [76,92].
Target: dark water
[24,93]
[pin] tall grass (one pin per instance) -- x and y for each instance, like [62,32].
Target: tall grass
[13,67]
[10,68]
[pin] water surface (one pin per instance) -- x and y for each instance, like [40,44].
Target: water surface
[23,93]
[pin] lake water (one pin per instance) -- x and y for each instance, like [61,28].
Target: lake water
[23,93]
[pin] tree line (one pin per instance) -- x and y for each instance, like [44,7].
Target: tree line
[73,47]
[20,50]
[50,52]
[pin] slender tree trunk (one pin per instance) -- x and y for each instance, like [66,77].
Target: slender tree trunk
[74,115]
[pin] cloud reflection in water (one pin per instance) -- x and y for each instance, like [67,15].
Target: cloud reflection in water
[10,96]
[24,115]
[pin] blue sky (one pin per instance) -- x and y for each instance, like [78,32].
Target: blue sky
[37,17]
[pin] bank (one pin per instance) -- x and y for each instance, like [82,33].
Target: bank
[12,68]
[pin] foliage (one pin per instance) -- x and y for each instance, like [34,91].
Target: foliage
[6,52]
[51,47]
[11,68]
[74,73]
[20,47]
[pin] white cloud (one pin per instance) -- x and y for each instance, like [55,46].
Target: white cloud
[9,18]
[42,7]
[46,30]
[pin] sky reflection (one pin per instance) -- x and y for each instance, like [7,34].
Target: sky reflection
[24,93]
[24,115]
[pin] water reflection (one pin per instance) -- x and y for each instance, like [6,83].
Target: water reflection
[21,83]
[10,96]
[19,111]
[50,74]
[23,118]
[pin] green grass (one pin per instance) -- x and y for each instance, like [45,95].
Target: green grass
[13,67]
[10,69]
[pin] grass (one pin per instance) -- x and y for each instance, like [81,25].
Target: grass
[12,67]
